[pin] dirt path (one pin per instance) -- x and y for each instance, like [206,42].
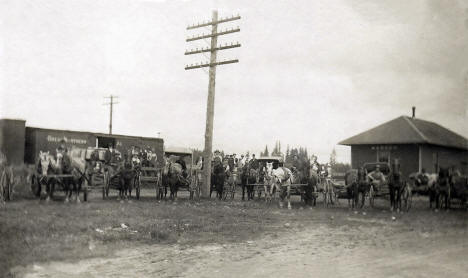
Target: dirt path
[360,248]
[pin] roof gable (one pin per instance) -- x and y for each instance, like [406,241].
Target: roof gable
[406,130]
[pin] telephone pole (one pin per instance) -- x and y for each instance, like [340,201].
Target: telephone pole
[213,49]
[111,104]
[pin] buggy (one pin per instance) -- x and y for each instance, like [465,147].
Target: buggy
[190,175]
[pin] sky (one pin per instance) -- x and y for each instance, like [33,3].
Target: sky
[310,73]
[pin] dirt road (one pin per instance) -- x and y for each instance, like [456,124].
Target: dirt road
[356,245]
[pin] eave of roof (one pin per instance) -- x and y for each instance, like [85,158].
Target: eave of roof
[406,130]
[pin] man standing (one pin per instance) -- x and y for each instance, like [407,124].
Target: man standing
[241,162]
[254,163]
[231,162]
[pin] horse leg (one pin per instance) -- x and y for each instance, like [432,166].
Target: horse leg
[78,191]
[363,199]
[66,187]
[51,185]
[281,197]
[288,196]
[267,194]
[243,191]
[392,196]
[315,192]
[399,198]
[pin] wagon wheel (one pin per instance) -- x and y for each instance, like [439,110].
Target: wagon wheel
[85,190]
[137,184]
[2,186]
[106,183]
[35,185]
[197,188]
[371,196]
[10,183]
[6,185]
[233,191]
[409,201]
[104,186]
[156,185]
[225,191]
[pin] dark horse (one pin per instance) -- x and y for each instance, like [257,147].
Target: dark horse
[311,190]
[352,188]
[174,178]
[356,186]
[395,188]
[217,179]
[442,188]
[247,182]
[126,177]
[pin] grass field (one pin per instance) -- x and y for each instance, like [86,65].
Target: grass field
[33,231]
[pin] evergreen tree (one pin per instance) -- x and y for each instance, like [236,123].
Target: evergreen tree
[265,152]
[333,157]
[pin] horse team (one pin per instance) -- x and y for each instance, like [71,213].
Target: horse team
[69,172]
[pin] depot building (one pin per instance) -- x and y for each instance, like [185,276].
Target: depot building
[414,144]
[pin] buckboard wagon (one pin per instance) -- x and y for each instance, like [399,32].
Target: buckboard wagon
[259,187]
[185,155]
[147,177]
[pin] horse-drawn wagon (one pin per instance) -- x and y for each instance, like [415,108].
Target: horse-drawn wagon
[256,176]
[178,173]
[60,170]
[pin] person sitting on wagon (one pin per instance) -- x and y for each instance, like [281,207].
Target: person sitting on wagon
[62,148]
[231,162]
[376,178]
[184,166]
[422,178]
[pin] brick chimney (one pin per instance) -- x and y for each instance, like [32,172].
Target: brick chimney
[414,112]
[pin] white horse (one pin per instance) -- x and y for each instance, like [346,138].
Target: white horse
[268,185]
[282,178]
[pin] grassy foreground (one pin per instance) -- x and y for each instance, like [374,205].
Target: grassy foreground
[34,231]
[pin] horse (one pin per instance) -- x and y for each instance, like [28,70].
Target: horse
[217,179]
[395,188]
[268,184]
[352,188]
[361,188]
[442,189]
[248,179]
[173,174]
[459,188]
[310,178]
[282,178]
[126,178]
[327,190]
[70,183]
[231,183]
[47,165]
[407,195]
